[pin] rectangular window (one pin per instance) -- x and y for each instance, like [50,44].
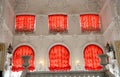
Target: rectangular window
[89,22]
[25,23]
[57,23]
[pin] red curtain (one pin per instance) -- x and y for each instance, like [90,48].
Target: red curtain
[17,60]
[25,23]
[57,23]
[59,57]
[92,61]
[89,22]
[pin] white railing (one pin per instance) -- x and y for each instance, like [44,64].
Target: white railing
[117,74]
[68,74]
[107,73]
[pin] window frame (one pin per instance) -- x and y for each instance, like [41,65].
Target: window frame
[55,31]
[23,31]
[85,31]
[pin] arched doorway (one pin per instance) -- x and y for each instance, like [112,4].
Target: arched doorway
[59,58]
[92,61]
[17,61]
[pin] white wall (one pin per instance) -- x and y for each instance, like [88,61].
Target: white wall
[42,44]
[41,40]
[107,14]
[7,22]
[110,21]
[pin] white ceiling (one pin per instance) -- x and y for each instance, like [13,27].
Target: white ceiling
[58,6]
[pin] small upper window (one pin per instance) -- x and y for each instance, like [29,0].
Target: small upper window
[25,23]
[57,23]
[89,22]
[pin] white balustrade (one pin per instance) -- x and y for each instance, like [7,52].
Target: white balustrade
[67,74]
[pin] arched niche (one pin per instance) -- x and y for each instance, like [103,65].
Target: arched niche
[91,59]
[59,58]
[23,50]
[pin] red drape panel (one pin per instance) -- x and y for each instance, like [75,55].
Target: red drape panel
[57,23]
[92,61]
[25,23]
[90,22]
[17,60]
[59,58]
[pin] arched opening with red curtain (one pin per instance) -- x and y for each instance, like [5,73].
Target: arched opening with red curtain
[92,61]
[59,58]
[17,61]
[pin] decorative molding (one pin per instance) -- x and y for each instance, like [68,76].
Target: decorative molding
[1,13]
[117,24]
[67,74]
[93,5]
[56,4]
[117,6]
[21,5]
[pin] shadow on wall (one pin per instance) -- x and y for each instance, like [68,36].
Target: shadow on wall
[1,74]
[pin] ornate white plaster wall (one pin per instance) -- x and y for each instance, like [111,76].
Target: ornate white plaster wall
[75,43]
[6,25]
[7,22]
[117,7]
[41,40]
[1,21]
[107,14]
[9,15]
[54,6]
[110,21]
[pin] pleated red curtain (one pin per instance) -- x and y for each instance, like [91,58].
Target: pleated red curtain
[25,23]
[57,23]
[59,58]
[92,61]
[17,61]
[90,22]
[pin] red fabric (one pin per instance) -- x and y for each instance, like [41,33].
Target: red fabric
[17,60]
[59,58]
[57,23]
[89,22]
[25,23]
[92,61]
